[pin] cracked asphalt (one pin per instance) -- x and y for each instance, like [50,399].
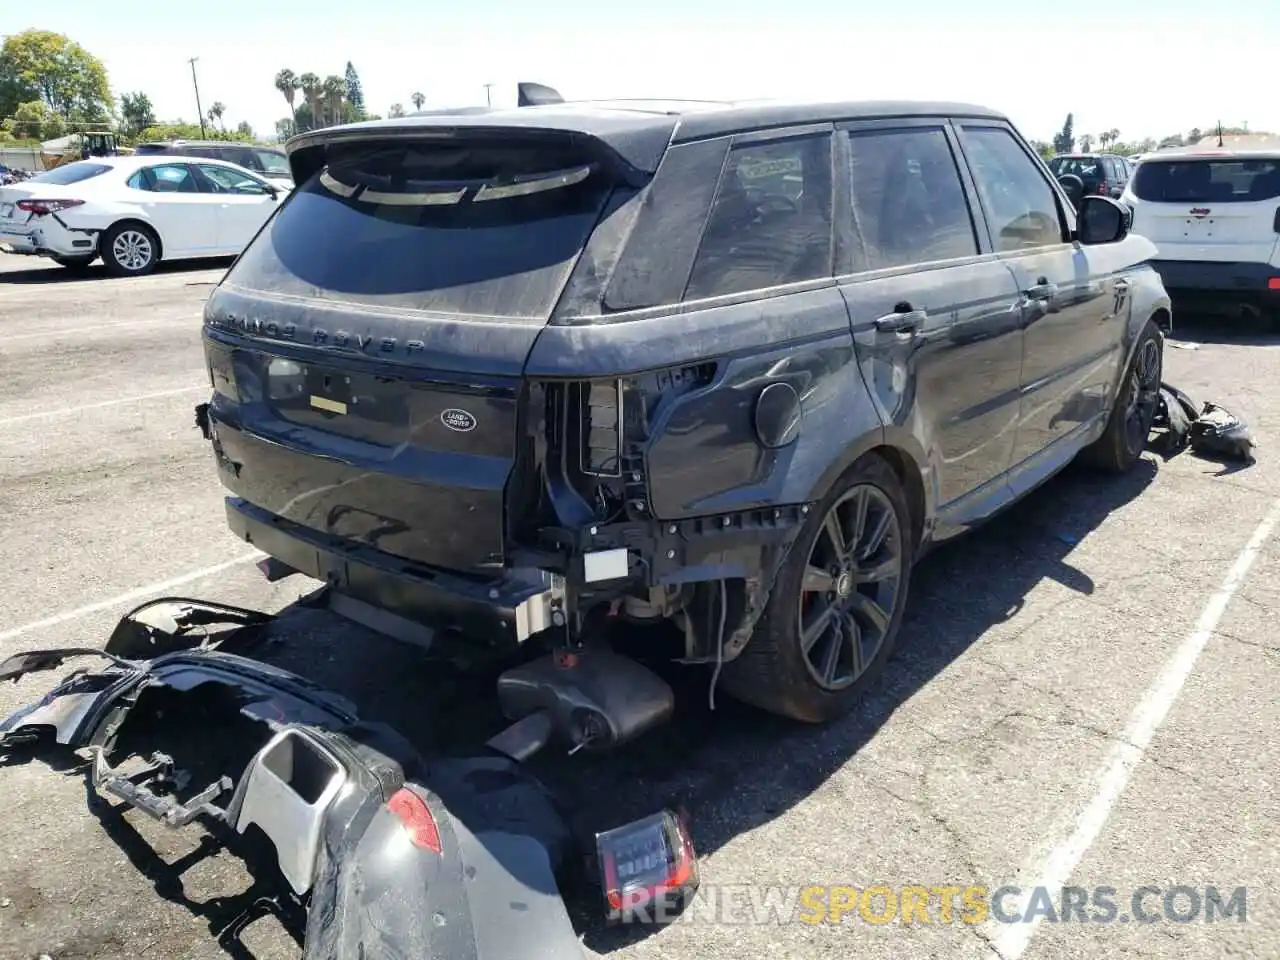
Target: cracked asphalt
[1027,648]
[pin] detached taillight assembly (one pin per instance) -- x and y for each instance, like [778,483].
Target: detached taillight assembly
[42,208]
[648,869]
[415,816]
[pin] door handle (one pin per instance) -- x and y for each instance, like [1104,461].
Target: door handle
[902,321]
[1042,290]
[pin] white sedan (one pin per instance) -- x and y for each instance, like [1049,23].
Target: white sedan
[136,211]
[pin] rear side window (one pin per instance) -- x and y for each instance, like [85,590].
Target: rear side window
[1021,206]
[908,204]
[1086,168]
[771,220]
[70,173]
[1207,181]
[490,227]
[272,164]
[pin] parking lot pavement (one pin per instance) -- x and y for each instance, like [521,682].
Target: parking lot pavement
[995,752]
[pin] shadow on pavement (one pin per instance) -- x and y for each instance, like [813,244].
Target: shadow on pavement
[731,769]
[1197,325]
[50,273]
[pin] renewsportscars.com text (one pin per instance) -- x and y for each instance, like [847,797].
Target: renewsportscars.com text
[750,904]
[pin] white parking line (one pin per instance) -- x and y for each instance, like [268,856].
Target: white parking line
[67,411]
[1010,941]
[141,593]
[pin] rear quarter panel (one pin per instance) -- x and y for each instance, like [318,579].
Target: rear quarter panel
[703,455]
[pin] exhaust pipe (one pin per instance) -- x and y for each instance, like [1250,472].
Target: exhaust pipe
[596,700]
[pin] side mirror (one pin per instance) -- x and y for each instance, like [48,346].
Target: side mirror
[1073,186]
[1101,220]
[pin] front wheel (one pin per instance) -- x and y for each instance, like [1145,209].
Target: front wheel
[130,250]
[1120,446]
[833,616]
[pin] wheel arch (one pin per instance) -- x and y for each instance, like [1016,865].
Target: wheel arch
[134,221]
[905,456]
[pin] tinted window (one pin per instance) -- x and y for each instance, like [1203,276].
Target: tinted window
[147,149]
[272,163]
[908,204]
[230,180]
[1088,169]
[487,227]
[170,178]
[1207,181]
[76,172]
[1021,206]
[771,219]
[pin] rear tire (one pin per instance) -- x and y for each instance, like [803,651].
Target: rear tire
[129,250]
[833,617]
[1122,443]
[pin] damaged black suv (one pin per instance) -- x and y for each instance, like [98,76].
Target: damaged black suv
[515,373]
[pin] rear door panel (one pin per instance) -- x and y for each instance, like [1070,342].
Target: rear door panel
[953,382]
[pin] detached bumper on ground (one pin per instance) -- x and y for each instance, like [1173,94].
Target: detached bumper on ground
[382,854]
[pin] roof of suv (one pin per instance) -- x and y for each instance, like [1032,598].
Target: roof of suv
[205,143]
[641,130]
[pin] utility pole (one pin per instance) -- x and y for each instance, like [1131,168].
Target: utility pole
[488,97]
[199,109]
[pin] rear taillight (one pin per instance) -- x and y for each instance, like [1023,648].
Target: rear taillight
[43,207]
[419,824]
[1273,283]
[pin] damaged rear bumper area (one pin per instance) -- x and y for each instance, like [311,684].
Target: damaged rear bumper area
[382,854]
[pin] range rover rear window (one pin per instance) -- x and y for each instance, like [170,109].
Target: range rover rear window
[481,228]
[1207,181]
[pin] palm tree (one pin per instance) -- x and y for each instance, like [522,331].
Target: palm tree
[397,110]
[417,100]
[1113,136]
[1104,138]
[335,89]
[287,84]
[215,113]
[309,83]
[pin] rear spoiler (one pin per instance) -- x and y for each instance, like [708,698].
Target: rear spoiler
[632,142]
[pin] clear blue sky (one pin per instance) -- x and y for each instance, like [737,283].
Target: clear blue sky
[1145,67]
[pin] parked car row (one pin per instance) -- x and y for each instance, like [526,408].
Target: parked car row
[135,211]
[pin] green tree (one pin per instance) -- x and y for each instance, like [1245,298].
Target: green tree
[215,114]
[29,120]
[284,128]
[52,68]
[311,93]
[355,93]
[243,129]
[304,119]
[417,100]
[1086,142]
[397,110]
[287,84]
[137,113]
[334,90]
[1065,141]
